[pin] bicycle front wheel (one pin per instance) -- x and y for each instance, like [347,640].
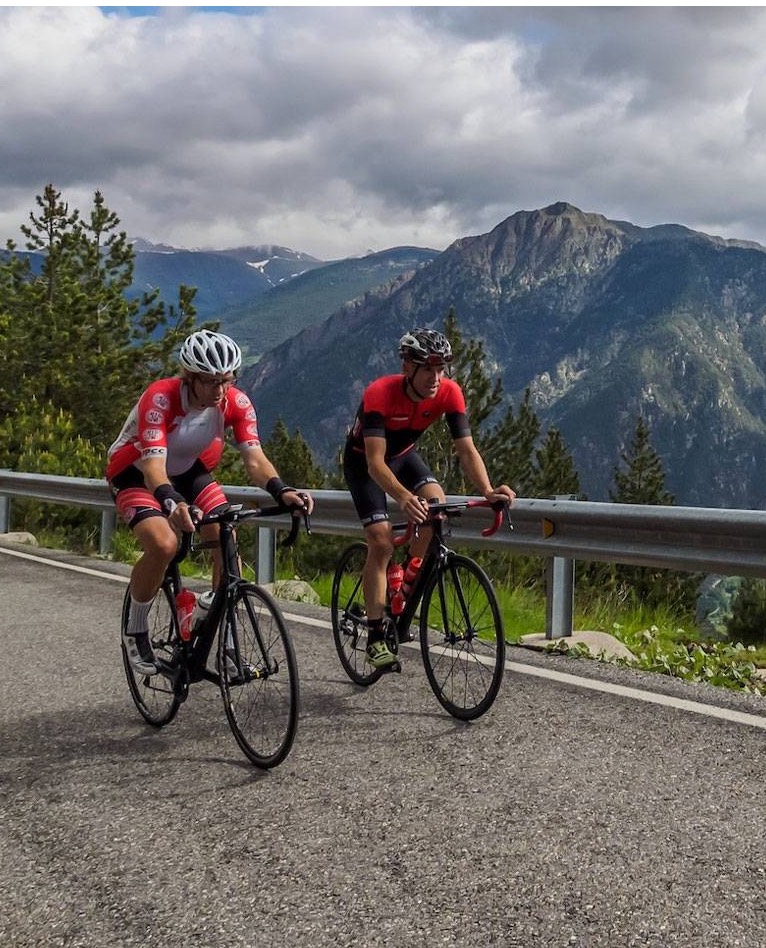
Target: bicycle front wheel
[259,676]
[461,638]
[349,618]
[155,696]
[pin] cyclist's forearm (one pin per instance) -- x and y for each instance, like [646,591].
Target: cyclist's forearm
[384,477]
[155,473]
[475,470]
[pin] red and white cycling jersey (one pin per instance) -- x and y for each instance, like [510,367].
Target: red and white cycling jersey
[163,424]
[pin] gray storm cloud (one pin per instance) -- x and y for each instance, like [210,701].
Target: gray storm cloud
[335,130]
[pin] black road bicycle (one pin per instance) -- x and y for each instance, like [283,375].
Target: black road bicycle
[255,665]
[453,604]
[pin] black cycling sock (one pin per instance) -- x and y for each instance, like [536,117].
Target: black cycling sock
[375,631]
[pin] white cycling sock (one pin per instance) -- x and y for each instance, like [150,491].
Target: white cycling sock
[138,617]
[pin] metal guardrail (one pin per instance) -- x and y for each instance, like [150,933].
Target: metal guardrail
[693,539]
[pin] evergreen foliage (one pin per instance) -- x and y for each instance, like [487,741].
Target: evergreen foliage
[641,480]
[70,337]
[292,457]
[75,352]
[747,623]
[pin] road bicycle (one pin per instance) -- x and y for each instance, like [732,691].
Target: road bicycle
[255,665]
[453,603]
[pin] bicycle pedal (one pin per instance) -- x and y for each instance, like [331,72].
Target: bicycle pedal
[393,667]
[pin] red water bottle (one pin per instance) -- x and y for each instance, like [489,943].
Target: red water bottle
[411,573]
[185,602]
[395,575]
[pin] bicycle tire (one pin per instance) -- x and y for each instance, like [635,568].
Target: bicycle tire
[155,696]
[262,698]
[349,625]
[461,638]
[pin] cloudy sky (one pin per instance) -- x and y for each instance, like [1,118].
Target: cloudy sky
[338,130]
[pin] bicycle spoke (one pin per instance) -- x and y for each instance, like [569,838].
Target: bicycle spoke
[349,624]
[155,696]
[259,677]
[461,638]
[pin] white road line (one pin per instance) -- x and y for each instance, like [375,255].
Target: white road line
[681,704]
[69,566]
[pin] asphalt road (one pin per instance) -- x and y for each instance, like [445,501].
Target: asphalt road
[567,816]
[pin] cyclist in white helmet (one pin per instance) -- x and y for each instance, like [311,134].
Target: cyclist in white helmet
[161,465]
[380,461]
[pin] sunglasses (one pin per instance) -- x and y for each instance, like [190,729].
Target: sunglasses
[214,383]
[433,361]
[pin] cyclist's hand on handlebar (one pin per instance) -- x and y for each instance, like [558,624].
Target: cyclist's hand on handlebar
[185,517]
[298,499]
[415,508]
[501,494]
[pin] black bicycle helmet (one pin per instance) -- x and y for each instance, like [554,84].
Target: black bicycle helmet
[425,345]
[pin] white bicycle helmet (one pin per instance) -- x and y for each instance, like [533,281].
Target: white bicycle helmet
[210,352]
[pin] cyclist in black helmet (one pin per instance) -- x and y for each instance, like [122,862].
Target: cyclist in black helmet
[380,459]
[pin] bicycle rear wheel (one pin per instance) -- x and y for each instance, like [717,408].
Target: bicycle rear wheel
[155,696]
[349,619]
[259,676]
[461,638]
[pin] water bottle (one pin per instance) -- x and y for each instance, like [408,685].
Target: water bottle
[200,610]
[410,574]
[185,602]
[395,575]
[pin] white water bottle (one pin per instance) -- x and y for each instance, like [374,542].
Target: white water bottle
[201,607]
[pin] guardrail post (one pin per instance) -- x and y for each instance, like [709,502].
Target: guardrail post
[559,604]
[5,513]
[267,554]
[559,581]
[108,521]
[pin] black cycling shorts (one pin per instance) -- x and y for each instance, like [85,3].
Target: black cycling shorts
[369,500]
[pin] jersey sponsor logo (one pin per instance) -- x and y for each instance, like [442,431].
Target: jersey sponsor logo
[161,401]
[250,416]
[241,401]
[154,417]
[252,430]
[153,452]
[151,434]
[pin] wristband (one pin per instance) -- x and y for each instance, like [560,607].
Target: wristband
[276,487]
[169,498]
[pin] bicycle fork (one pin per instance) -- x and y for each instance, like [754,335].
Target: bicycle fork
[246,672]
[447,605]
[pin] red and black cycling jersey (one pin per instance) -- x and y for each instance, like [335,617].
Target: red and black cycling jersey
[388,412]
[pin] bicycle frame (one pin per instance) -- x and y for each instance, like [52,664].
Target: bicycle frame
[194,654]
[460,626]
[437,554]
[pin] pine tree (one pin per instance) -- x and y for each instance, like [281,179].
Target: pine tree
[292,457]
[511,448]
[71,337]
[643,482]
[556,473]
